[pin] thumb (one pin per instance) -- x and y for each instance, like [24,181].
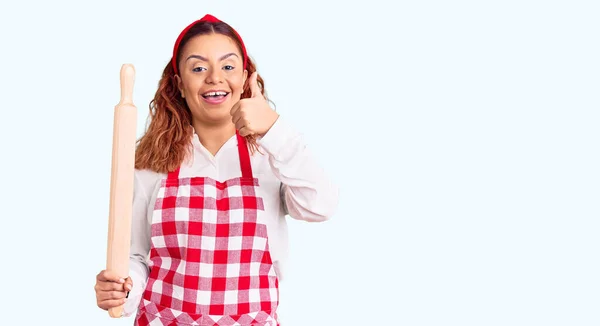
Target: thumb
[128,284]
[254,89]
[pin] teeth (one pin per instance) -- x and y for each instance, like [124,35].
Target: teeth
[215,94]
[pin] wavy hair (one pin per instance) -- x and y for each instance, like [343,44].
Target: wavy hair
[167,140]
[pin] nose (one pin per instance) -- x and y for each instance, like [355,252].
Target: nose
[214,76]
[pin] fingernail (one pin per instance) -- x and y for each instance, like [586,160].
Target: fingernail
[121,280]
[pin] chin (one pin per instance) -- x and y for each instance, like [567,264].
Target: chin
[216,114]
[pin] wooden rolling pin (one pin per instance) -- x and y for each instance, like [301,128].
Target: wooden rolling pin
[121,181]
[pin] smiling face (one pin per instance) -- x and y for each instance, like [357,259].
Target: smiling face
[211,77]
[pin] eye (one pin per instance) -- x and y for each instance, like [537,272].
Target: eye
[229,67]
[198,69]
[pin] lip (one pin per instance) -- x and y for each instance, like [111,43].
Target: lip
[214,101]
[215,90]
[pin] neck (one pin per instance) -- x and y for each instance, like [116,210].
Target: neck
[213,137]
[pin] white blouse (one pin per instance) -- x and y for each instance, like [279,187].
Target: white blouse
[290,183]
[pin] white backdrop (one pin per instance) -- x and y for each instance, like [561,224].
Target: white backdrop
[463,136]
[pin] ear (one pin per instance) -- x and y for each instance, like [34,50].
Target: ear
[245,77]
[180,85]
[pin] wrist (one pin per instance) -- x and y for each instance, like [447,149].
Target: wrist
[273,118]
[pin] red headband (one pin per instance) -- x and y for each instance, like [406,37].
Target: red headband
[210,19]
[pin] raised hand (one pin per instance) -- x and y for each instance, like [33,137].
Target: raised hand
[253,116]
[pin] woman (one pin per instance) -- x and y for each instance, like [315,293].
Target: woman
[216,173]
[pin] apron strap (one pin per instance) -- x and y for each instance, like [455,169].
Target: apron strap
[244,156]
[173,175]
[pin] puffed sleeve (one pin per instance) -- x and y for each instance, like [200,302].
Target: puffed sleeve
[307,192]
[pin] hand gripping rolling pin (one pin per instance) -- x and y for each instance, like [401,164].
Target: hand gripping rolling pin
[121,181]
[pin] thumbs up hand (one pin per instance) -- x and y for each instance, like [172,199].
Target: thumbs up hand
[253,115]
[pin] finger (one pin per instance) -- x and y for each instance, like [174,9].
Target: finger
[235,108]
[240,124]
[107,304]
[109,276]
[111,295]
[108,286]
[245,131]
[239,120]
[238,117]
[254,89]
[128,284]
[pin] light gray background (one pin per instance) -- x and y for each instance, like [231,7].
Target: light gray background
[463,135]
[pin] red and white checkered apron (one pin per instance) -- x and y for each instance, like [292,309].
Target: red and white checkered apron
[209,260]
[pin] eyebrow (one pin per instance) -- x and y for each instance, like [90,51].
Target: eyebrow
[199,57]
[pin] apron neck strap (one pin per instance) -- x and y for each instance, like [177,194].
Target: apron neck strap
[173,175]
[243,154]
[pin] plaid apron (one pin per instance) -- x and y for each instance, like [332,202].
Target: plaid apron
[209,259]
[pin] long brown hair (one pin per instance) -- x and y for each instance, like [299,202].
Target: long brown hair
[167,140]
